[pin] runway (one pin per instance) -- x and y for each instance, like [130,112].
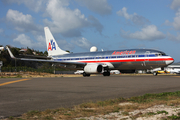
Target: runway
[19,95]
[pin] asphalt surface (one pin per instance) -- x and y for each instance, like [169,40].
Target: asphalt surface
[50,93]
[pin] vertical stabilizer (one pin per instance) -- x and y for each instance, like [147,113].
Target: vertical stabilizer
[52,47]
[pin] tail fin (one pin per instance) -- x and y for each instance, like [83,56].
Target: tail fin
[52,47]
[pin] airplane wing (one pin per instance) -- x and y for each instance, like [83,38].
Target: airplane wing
[42,60]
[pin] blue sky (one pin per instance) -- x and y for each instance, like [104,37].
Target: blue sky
[79,24]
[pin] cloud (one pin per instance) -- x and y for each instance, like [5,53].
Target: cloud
[176,23]
[66,21]
[57,15]
[34,5]
[63,44]
[173,38]
[21,22]
[175,5]
[99,6]
[95,23]
[23,40]
[147,33]
[26,41]
[135,18]
[83,43]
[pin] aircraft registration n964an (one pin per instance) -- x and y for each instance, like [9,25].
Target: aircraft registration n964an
[127,61]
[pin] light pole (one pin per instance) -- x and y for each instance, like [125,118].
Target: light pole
[54,68]
[15,64]
[1,64]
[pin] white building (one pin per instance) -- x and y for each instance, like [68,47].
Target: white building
[173,68]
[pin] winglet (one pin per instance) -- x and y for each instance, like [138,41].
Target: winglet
[10,53]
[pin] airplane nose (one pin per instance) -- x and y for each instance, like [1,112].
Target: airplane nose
[170,61]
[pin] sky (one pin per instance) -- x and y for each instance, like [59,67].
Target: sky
[77,25]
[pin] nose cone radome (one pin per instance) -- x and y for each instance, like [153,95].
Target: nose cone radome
[169,61]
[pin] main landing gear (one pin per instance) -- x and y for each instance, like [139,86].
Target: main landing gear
[86,75]
[155,73]
[106,73]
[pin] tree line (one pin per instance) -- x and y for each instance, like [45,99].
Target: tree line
[10,65]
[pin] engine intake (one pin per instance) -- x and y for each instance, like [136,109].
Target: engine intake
[93,68]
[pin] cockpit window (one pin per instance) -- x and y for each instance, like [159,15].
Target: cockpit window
[163,54]
[160,54]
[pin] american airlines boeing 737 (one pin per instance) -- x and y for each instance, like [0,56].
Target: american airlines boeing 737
[127,60]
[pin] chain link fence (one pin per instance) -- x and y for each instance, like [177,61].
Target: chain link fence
[51,70]
[26,69]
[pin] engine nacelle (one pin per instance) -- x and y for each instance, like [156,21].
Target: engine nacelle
[93,68]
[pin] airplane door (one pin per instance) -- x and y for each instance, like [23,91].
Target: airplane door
[146,57]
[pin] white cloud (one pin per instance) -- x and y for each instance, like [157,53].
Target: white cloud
[147,33]
[124,13]
[26,41]
[35,5]
[176,23]
[175,4]
[66,21]
[58,16]
[99,6]
[23,40]
[83,43]
[20,21]
[135,18]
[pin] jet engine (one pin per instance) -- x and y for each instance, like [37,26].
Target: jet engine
[93,68]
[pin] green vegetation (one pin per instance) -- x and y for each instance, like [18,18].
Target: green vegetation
[161,112]
[11,65]
[173,117]
[109,106]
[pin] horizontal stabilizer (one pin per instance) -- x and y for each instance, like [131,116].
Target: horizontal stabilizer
[10,53]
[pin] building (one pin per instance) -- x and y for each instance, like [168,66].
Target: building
[173,68]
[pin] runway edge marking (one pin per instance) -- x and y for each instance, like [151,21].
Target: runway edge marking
[6,83]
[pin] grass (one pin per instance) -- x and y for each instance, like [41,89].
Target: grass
[109,106]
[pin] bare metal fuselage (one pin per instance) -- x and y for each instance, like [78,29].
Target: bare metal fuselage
[130,59]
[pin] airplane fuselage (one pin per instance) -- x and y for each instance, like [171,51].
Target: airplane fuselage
[129,59]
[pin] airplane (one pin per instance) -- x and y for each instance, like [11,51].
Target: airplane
[102,62]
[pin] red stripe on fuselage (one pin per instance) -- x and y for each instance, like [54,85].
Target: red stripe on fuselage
[128,60]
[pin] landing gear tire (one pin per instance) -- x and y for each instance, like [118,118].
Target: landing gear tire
[106,73]
[85,75]
[155,73]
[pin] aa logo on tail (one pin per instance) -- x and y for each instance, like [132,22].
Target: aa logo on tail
[52,45]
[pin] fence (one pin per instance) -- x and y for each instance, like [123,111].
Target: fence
[29,69]
[25,69]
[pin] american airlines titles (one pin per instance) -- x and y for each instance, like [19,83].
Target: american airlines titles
[123,52]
